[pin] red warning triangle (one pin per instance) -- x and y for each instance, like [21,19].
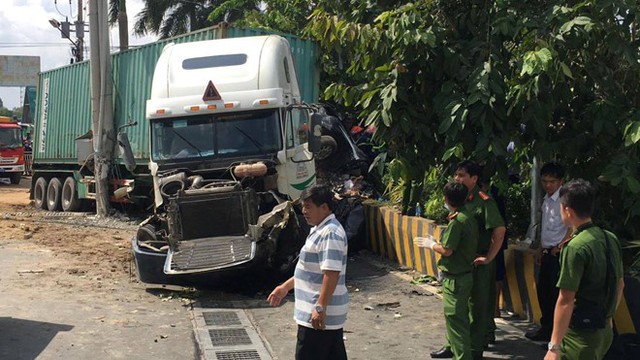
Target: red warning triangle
[211,93]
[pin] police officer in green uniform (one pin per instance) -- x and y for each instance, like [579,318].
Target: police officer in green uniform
[458,250]
[491,235]
[590,281]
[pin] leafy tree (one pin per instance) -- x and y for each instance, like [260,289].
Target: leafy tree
[428,75]
[575,88]
[448,80]
[167,18]
[275,15]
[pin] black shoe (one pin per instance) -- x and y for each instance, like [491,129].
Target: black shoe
[539,335]
[443,353]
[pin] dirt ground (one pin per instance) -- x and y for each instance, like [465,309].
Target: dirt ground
[91,246]
[69,289]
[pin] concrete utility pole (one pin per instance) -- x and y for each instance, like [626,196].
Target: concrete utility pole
[79,35]
[123,25]
[101,102]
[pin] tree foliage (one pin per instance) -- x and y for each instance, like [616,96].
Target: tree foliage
[167,18]
[449,80]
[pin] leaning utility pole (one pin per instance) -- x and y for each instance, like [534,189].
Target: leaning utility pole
[101,102]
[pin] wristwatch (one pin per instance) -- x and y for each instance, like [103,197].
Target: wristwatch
[319,308]
[553,347]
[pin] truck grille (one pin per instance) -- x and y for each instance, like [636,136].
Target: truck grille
[8,160]
[209,214]
[207,230]
[209,253]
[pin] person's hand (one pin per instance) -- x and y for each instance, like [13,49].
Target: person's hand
[424,241]
[539,256]
[317,319]
[481,260]
[555,251]
[552,355]
[276,296]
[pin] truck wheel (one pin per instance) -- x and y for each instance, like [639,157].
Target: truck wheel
[146,232]
[15,178]
[69,197]
[328,146]
[54,191]
[40,193]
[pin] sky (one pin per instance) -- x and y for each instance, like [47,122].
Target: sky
[26,31]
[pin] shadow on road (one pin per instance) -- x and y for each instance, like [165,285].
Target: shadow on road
[22,339]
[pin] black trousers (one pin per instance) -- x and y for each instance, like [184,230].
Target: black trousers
[547,290]
[320,344]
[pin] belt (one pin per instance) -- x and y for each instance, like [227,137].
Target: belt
[547,250]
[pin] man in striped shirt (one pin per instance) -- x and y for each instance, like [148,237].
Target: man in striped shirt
[321,298]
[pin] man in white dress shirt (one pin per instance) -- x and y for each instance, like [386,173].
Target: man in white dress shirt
[553,231]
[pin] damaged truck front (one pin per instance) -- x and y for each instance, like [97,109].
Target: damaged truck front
[231,149]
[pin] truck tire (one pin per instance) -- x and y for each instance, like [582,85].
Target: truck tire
[15,178]
[54,192]
[69,196]
[40,193]
[328,146]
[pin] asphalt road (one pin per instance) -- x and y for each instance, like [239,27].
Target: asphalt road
[49,312]
[389,318]
[45,314]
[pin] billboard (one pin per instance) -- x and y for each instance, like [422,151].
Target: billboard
[19,71]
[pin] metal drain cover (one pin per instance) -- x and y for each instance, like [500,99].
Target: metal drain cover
[238,355]
[227,333]
[226,337]
[221,318]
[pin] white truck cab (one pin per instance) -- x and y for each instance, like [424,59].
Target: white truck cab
[231,148]
[228,99]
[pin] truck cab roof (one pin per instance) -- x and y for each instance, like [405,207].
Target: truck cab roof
[241,70]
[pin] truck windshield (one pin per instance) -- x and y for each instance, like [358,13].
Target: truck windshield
[10,138]
[216,136]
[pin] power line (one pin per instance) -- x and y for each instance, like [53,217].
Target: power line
[55,3]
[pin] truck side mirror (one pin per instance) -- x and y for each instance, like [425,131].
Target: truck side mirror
[127,153]
[315,132]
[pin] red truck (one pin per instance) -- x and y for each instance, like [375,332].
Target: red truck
[11,150]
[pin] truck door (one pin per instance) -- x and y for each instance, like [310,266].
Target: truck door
[299,167]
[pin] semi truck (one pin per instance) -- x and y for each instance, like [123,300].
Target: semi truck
[218,147]
[11,150]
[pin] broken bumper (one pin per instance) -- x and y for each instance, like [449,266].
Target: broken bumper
[197,262]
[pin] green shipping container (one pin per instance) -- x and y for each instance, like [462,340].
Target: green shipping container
[63,107]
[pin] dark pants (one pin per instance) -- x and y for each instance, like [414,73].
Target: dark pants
[547,290]
[320,344]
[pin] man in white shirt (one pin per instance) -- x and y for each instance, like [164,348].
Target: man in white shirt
[321,298]
[552,232]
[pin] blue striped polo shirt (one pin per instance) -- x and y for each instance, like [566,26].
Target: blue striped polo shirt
[325,249]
